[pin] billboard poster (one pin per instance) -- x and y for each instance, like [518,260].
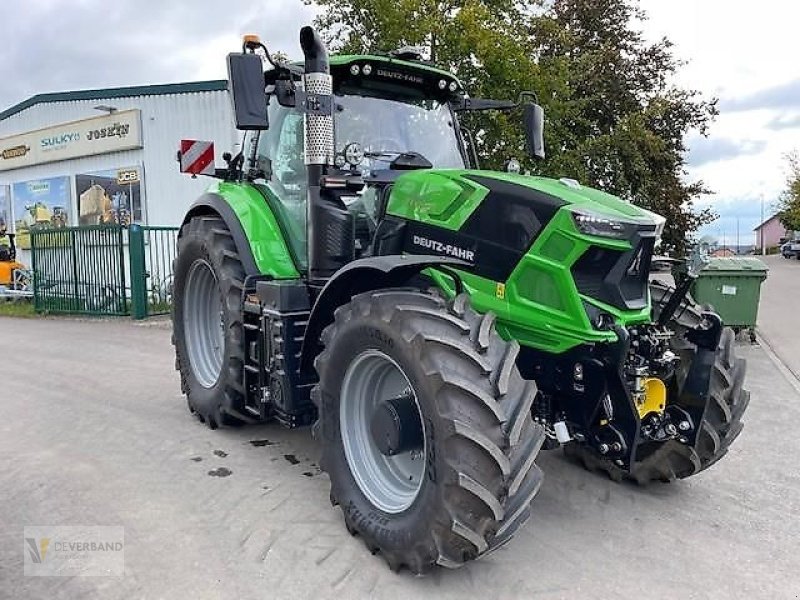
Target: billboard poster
[5,210]
[40,203]
[113,196]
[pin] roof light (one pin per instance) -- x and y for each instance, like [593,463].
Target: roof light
[367,69]
[355,69]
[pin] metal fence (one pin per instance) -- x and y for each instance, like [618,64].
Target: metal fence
[152,251]
[103,269]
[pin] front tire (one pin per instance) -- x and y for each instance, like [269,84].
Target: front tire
[207,321]
[474,477]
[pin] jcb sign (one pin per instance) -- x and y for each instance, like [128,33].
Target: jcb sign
[126,176]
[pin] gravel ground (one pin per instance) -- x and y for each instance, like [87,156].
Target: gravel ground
[95,432]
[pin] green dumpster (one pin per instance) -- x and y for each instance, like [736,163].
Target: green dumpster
[732,286]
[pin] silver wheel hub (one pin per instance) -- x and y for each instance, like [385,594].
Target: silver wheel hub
[382,431]
[204,323]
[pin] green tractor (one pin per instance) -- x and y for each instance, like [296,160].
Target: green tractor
[438,325]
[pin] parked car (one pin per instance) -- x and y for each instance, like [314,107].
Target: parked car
[786,250]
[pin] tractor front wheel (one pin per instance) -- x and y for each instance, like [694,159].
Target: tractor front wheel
[426,428]
[207,321]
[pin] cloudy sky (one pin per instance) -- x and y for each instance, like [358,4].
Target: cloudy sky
[742,53]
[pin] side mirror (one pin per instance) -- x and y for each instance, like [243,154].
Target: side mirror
[247,89]
[533,115]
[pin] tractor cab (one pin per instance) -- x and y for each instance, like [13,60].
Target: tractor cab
[381,129]
[385,115]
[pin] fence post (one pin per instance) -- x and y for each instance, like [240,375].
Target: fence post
[37,300]
[138,272]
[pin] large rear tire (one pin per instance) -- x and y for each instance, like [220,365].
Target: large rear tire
[207,321]
[475,476]
[722,422]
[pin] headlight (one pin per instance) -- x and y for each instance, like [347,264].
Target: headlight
[595,224]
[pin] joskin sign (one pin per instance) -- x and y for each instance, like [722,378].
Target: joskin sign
[98,135]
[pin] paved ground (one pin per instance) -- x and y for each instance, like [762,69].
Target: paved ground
[779,323]
[95,431]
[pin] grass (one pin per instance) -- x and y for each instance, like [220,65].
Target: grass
[17,308]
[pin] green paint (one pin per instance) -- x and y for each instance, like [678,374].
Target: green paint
[346,59]
[541,307]
[271,253]
[440,197]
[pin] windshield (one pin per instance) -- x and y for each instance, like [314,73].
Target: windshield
[392,126]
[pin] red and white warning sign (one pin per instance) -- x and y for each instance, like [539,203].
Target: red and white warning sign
[197,157]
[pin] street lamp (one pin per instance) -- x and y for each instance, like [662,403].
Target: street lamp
[761,231]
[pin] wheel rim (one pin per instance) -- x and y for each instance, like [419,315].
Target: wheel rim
[203,323]
[391,483]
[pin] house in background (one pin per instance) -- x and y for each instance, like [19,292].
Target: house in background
[772,231]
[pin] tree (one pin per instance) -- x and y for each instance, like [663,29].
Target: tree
[789,209]
[614,120]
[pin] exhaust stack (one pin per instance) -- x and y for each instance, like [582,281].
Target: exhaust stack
[330,228]
[317,81]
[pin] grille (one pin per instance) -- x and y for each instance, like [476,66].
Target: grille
[614,277]
[592,268]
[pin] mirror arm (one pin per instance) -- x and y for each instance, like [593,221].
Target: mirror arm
[478,104]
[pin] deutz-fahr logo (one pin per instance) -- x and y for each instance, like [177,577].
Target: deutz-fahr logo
[400,76]
[442,248]
[16,151]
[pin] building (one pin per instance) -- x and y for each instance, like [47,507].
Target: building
[772,231]
[107,156]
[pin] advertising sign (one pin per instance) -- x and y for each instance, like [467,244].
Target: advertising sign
[40,203]
[5,210]
[112,196]
[98,135]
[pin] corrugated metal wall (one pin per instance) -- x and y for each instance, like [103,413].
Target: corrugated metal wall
[166,119]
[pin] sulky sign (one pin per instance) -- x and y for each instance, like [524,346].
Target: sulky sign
[115,132]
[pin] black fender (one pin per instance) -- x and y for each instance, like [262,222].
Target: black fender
[359,276]
[214,204]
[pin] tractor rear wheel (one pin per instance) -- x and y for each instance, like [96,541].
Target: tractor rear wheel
[426,429]
[721,423]
[207,321]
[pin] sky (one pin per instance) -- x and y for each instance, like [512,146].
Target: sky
[745,54]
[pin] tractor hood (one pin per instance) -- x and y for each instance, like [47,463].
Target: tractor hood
[451,196]
[538,249]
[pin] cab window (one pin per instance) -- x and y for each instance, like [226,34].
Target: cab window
[279,155]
